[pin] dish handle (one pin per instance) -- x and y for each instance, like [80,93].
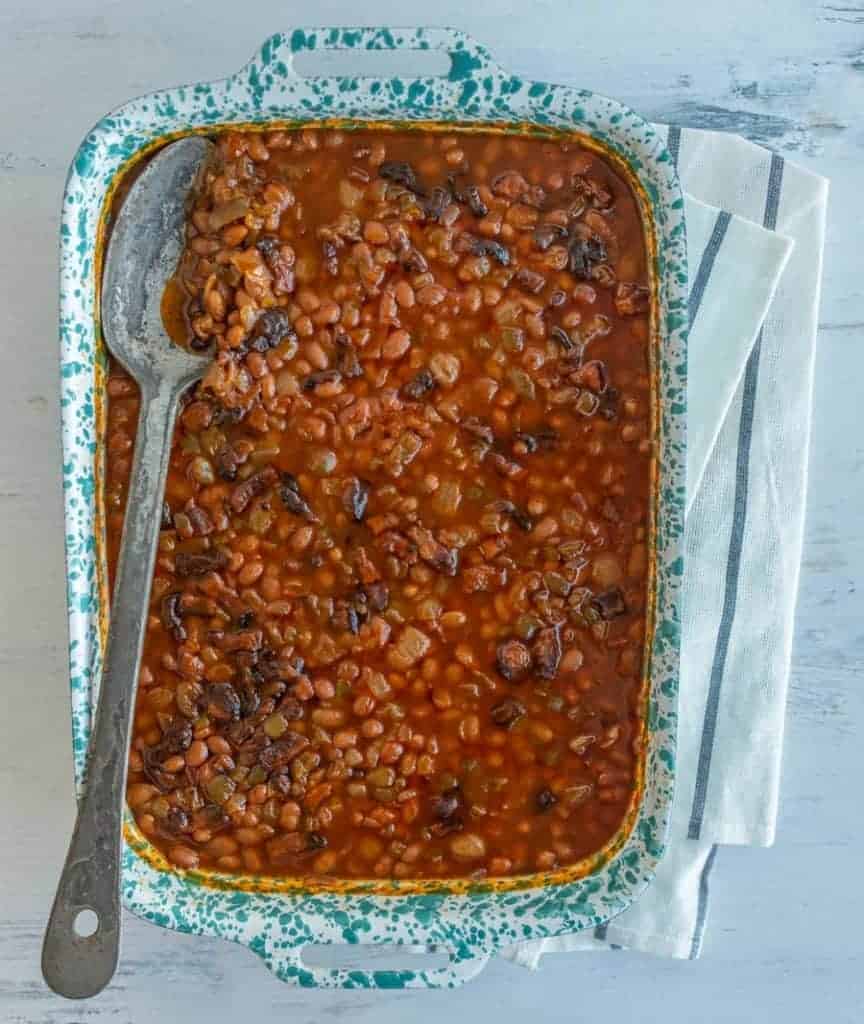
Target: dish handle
[286,962]
[271,71]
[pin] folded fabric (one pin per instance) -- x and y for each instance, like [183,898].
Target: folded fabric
[755,238]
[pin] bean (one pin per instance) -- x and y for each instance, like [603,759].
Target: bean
[500,865]
[546,528]
[215,304]
[404,295]
[204,246]
[375,233]
[289,816]
[371,728]
[234,234]
[258,794]
[454,673]
[271,590]
[391,752]
[546,859]
[387,309]
[542,732]
[430,669]
[305,328]
[302,538]
[252,860]
[469,729]
[468,846]
[218,745]
[250,572]
[147,823]
[442,698]
[316,355]
[325,862]
[345,738]
[183,857]
[396,345]
[431,295]
[140,793]
[248,836]
[222,846]
[324,689]
[490,226]
[445,368]
[327,313]
[382,777]
[328,718]
[308,300]
[235,336]
[465,655]
[363,705]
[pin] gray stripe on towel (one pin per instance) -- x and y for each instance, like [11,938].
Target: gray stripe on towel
[706,264]
[736,539]
[673,143]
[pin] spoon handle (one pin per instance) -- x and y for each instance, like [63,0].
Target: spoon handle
[76,965]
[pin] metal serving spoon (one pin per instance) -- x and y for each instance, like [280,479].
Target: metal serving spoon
[142,255]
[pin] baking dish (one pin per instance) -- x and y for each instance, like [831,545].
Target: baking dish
[276,918]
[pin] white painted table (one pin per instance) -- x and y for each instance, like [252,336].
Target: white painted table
[783,942]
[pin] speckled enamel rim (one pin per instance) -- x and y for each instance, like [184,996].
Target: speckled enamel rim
[471,921]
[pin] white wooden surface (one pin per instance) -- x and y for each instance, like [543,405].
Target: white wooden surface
[784,942]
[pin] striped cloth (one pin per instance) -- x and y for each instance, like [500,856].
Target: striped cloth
[755,238]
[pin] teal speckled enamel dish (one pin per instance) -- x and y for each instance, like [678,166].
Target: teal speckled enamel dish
[276,918]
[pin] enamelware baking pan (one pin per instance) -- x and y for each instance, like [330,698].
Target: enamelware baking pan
[470,919]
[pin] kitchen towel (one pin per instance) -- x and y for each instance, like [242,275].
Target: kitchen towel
[755,227]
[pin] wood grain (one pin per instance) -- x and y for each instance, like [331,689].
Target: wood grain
[784,941]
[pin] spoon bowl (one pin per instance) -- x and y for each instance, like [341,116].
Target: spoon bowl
[143,252]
